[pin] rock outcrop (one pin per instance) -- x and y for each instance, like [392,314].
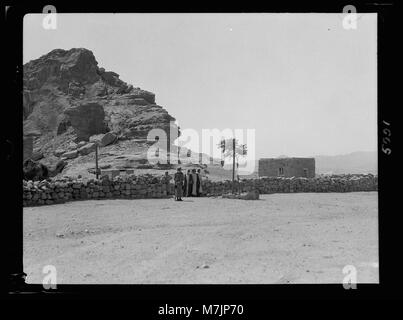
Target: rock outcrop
[68,98]
[86,118]
[33,170]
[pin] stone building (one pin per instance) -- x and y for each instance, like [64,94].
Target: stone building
[287,167]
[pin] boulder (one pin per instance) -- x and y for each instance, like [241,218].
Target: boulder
[86,149]
[33,170]
[70,154]
[251,195]
[103,139]
[96,138]
[81,144]
[108,139]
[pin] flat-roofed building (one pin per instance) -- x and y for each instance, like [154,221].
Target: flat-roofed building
[287,167]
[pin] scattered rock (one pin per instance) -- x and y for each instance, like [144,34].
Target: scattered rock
[86,149]
[81,143]
[34,170]
[72,146]
[96,138]
[70,154]
[107,139]
[251,195]
[59,152]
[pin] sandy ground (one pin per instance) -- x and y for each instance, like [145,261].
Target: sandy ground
[282,238]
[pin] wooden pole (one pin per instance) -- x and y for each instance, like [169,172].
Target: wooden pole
[233,165]
[169,145]
[179,148]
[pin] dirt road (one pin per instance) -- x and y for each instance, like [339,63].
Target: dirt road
[282,238]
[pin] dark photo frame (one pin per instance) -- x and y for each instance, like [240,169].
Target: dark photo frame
[155,296]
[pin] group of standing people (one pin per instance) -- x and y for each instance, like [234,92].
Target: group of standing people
[189,184]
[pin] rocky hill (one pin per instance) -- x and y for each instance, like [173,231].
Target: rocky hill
[69,102]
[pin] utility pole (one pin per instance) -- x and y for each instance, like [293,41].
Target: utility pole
[169,150]
[179,148]
[233,164]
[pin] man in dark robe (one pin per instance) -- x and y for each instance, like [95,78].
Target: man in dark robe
[166,179]
[185,185]
[195,182]
[189,184]
[199,185]
[179,178]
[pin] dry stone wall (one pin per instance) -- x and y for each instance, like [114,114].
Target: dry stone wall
[147,186]
[339,183]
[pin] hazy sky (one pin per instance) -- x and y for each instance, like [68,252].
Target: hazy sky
[303,82]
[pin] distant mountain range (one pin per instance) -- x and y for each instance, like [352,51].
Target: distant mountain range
[355,162]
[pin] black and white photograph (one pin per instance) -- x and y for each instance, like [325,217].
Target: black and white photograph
[200,148]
